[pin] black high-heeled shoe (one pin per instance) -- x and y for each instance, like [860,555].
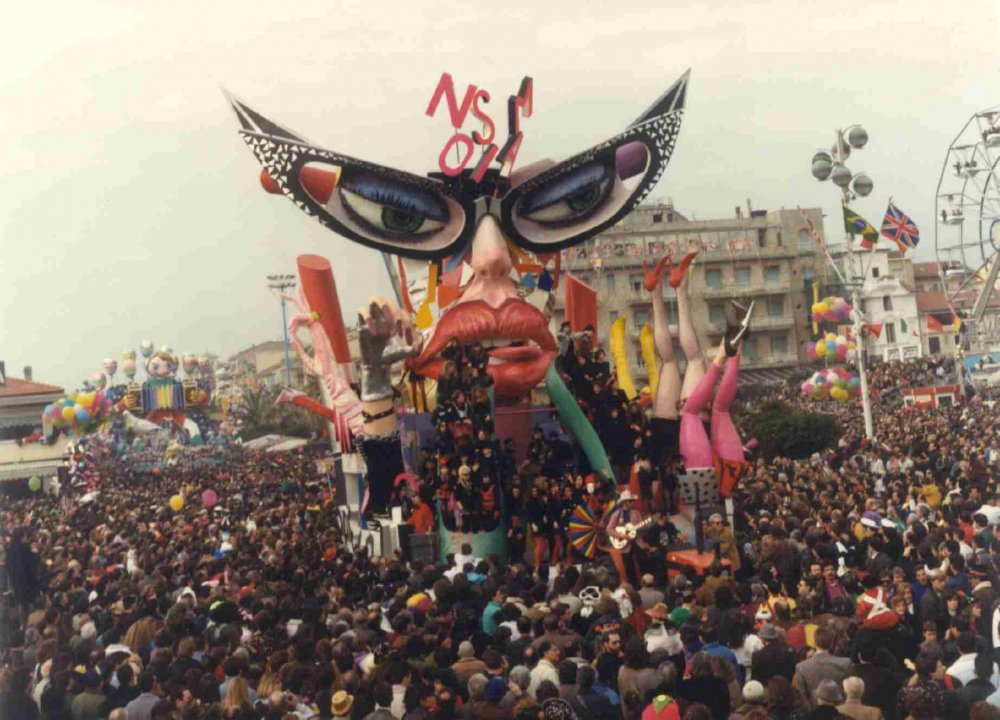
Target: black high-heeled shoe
[734,336]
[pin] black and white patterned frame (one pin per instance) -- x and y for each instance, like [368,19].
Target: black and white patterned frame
[282,154]
[659,135]
[283,159]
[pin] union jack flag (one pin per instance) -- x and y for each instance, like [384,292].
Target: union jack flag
[898,227]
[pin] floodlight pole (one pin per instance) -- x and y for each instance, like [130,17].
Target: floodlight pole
[280,283]
[826,165]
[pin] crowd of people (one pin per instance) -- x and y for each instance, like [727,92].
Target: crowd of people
[861,582]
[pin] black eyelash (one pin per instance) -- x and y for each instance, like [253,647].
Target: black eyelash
[413,200]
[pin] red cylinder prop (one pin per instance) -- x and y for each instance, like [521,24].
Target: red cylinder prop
[321,293]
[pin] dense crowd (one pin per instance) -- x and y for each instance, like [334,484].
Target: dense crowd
[862,581]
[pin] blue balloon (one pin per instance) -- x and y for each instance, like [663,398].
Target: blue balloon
[82,415]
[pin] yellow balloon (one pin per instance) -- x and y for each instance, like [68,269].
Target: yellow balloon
[821,348]
[831,338]
[819,307]
[176,503]
[68,413]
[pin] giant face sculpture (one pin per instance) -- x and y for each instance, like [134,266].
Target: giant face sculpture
[484,228]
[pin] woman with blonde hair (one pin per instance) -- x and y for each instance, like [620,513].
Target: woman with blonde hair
[237,697]
[140,635]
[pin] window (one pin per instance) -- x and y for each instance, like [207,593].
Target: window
[614,315]
[779,344]
[874,272]
[772,275]
[805,242]
[808,276]
[781,243]
[761,238]
[934,345]
[890,333]
[672,314]
[886,302]
[717,314]
[775,306]
[658,217]
[713,278]
[640,317]
[750,348]
[635,281]
[742,276]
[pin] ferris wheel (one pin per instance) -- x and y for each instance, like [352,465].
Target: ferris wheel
[967,225]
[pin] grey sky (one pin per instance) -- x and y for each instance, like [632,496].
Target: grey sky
[130,209]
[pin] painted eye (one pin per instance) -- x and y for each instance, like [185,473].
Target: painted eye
[569,197]
[392,209]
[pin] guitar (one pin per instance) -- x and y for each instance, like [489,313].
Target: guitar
[622,535]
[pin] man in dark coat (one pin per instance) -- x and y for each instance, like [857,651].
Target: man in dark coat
[774,659]
[22,572]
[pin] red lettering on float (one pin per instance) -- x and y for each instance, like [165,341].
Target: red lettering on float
[454,141]
[446,88]
[484,163]
[483,118]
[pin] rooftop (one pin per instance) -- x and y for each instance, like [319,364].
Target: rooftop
[15,387]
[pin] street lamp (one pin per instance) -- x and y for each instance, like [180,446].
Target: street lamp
[281,283]
[832,166]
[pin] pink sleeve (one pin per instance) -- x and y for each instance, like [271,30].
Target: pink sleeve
[702,395]
[727,388]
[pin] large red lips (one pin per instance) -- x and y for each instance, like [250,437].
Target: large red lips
[515,369]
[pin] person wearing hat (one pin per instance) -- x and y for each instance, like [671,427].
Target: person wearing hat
[826,698]
[341,704]
[775,659]
[625,515]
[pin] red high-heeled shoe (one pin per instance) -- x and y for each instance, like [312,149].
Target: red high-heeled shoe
[677,274]
[652,277]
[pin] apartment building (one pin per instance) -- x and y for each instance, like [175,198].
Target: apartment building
[767,257]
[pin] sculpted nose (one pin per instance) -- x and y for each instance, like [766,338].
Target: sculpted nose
[492,264]
[490,256]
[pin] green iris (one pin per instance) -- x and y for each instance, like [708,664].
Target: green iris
[401,221]
[585,199]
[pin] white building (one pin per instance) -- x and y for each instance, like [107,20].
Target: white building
[886,300]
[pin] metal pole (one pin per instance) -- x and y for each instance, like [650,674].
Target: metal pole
[281,283]
[866,405]
[288,357]
[960,365]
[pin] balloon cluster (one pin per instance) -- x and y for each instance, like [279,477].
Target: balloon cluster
[832,383]
[831,309]
[80,411]
[830,347]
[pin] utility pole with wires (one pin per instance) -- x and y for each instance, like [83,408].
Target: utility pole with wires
[281,283]
[831,165]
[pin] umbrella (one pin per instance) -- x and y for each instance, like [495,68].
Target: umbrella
[584,530]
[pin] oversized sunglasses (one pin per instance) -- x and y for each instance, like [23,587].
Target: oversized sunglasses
[430,218]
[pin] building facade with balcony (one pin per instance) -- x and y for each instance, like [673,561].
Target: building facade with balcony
[767,257]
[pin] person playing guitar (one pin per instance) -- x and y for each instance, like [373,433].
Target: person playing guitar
[622,527]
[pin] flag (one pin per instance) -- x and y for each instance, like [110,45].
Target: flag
[956,321]
[898,227]
[854,224]
[934,325]
[874,329]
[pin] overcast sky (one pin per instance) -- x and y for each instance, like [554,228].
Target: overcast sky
[130,209]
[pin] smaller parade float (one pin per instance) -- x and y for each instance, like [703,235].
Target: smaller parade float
[161,403]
